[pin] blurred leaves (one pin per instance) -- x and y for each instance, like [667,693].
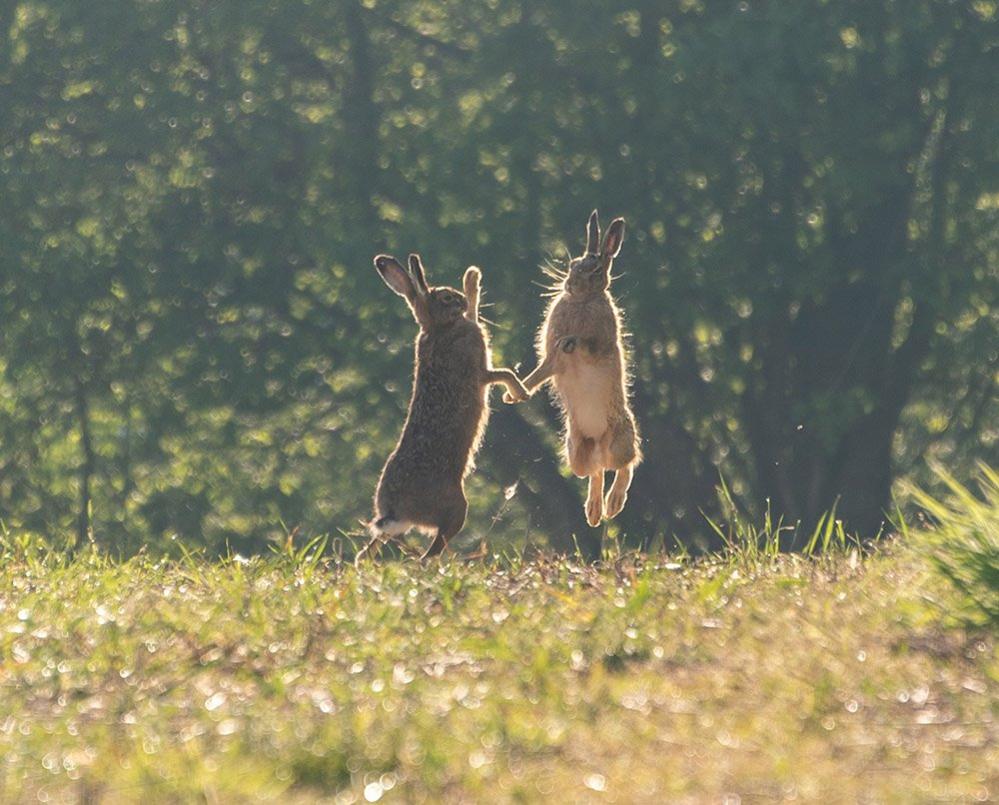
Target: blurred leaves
[190,196]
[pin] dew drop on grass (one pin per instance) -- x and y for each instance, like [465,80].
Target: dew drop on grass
[227,727]
[595,782]
[401,675]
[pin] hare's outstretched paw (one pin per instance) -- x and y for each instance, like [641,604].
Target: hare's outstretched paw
[515,394]
[515,390]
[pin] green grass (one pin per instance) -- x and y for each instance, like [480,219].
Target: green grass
[298,679]
[963,545]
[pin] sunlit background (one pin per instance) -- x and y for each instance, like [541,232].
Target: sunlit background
[195,347]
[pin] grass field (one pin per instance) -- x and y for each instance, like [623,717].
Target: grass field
[295,678]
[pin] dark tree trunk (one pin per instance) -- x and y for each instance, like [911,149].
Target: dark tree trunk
[361,118]
[552,501]
[87,467]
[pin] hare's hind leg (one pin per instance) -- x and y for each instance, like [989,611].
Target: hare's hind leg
[622,455]
[580,454]
[618,494]
[382,530]
[368,550]
[452,519]
[595,498]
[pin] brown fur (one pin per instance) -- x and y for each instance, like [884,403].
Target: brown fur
[580,348]
[422,483]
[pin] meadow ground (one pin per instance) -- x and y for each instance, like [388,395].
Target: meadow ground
[300,679]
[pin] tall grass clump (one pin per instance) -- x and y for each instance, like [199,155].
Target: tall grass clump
[963,542]
[746,540]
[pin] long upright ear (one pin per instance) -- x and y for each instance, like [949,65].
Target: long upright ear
[613,239]
[592,233]
[395,276]
[416,269]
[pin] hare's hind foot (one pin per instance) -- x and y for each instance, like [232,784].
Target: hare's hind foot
[452,522]
[371,550]
[595,499]
[618,494]
[436,548]
[382,530]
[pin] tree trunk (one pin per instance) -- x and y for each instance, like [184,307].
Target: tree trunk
[552,501]
[361,122]
[84,533]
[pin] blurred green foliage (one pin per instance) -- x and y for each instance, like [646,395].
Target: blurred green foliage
[193,344]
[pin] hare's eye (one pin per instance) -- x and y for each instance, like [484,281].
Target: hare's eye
[446,298]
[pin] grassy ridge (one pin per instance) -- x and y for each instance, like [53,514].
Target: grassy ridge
[300,679]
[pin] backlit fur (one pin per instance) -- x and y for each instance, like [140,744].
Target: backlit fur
[422,483]
[581,349]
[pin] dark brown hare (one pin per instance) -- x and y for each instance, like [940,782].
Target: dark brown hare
[580,349]
[422,484]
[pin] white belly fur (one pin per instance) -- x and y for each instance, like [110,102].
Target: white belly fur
[586,391]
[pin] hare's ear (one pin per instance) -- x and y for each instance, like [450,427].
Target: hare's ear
[416,269]
[395,276]
[592,233]
[613,239]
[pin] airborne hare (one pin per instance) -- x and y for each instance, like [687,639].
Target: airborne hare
[422,484]
[580,350]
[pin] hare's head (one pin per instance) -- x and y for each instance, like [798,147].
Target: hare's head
[590,273]
[432,307]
